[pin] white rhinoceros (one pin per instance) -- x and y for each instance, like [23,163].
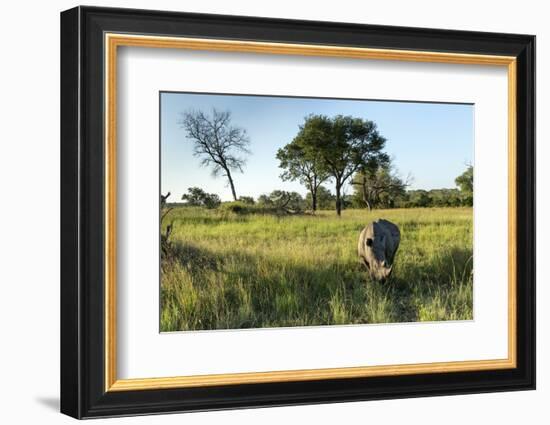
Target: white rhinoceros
[378,243]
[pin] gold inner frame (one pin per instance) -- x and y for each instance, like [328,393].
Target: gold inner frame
[113,41]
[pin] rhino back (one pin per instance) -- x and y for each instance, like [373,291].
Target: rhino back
[392,237]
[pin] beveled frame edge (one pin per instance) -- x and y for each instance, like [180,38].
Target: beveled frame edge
[114,40]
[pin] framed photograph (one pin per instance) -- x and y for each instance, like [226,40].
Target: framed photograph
[261,212]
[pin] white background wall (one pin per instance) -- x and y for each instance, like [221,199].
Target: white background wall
[29,212]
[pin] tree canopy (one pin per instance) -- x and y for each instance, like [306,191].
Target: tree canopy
[343,145]
[465,181]
[466,184]
[304,165]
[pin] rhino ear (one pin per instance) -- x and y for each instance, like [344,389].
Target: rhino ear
[369,242]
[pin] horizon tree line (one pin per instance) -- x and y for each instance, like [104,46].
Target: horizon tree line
[339,150]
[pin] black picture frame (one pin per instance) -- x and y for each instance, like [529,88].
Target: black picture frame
[83,392]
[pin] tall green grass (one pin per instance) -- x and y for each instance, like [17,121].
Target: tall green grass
[228,271]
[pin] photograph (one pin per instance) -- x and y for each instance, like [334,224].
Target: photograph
[280,211]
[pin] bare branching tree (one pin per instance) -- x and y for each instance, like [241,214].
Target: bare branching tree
[165,237]
[382,180]
[217,142]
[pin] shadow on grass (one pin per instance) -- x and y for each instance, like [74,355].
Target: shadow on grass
[191,257]
[204,290]
[438,284]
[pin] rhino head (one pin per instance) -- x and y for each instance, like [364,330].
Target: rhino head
[378,243]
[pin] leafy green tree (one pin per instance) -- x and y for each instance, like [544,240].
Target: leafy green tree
[466,180]
[196,197]
[344,145]
[304,165]
[217,142]
[466,184]
[325,199]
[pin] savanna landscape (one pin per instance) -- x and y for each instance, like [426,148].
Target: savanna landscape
[289,256]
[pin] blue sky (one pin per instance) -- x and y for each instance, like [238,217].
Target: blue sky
[431,141]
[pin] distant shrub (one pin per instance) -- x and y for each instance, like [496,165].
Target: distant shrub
[239,207]
[196,197]
[282,201]
[276,203]
[249,200]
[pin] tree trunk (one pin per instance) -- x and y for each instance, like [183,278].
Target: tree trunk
[228,174]
[365,193]
[314,200]
[338,200]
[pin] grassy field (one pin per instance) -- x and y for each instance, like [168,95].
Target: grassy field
[228,271]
